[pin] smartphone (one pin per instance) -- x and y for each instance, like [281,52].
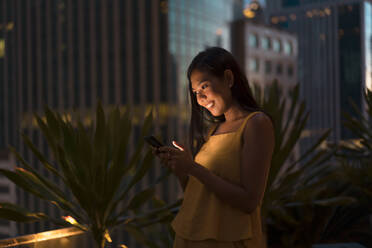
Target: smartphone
[152,141]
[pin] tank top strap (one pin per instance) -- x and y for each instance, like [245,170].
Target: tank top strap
[241,128]
[211,130]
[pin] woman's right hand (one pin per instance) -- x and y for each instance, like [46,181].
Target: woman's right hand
[163,159]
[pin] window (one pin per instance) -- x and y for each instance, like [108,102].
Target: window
[4,189]
[279,69]
[288,48]
[290,71]
[253,40]
[277,45]
[267,67]
[266,43]
[254,65]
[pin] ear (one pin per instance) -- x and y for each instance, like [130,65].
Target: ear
[229,77]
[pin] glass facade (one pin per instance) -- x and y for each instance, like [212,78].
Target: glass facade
[268,67]
[193,26]
[253,40]
[287,47]
[368,44]
[254,65]
[266,43]
[277,46]
[290,3]
[295,3]
[2,91]
[349,19]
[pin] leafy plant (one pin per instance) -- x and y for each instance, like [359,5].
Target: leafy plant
[298,190]
[94,165]
[355,161]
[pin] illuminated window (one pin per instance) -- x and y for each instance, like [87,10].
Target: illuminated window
[288,48]
[2,48]
[254,65]
[253,40]
[277,45]
[266,43]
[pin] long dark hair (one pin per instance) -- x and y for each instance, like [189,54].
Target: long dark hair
[214,61]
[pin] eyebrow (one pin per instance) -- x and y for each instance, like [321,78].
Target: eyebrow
[201,81]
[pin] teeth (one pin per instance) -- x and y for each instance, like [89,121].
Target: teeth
[210,105]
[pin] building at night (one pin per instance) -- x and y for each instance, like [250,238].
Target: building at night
[68,54]
[265,53]
[334,52]
[7,194]
[193,26]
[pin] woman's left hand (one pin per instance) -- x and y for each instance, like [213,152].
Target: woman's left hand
[179,159]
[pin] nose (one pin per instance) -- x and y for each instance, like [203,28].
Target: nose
[200,97]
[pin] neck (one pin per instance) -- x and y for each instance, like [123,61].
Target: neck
[235,112]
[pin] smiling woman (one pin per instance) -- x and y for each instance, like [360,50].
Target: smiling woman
[224,170]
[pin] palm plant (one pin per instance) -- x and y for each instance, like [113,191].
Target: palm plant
[94,165]
[296,188]
[355,160]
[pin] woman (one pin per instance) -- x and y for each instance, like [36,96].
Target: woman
[224,172]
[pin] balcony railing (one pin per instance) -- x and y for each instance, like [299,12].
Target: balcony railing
[62,238]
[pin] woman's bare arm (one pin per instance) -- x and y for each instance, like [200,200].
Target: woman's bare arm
[256,156]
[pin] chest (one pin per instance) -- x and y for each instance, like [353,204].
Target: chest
[227,127]
[221,154]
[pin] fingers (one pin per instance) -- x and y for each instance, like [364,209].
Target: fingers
[167,149]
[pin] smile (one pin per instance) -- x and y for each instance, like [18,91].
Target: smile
[210,105]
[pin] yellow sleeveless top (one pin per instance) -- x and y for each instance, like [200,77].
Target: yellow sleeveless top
[204,216]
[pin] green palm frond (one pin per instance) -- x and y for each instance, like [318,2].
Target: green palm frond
[302,188]
[94,165]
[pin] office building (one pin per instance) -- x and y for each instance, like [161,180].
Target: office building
[7,194]
[68,54]
[193,26]
[265,53]
[334,51]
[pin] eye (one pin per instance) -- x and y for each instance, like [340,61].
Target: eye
[204,86]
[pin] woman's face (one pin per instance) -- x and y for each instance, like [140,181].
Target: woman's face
[211,92]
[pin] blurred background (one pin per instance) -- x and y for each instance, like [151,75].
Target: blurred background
[68,54]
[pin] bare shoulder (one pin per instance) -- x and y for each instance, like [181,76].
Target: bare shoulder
[259,124]
[260,120]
